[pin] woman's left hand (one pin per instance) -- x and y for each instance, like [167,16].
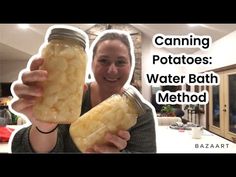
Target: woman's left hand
[115,143]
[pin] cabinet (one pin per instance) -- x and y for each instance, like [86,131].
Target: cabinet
[5,89]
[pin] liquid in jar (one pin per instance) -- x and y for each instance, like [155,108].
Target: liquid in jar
[118,112]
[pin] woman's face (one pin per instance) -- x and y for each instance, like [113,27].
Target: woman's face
[111,64]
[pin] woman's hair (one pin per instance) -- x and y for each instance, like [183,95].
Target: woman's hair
[113,36]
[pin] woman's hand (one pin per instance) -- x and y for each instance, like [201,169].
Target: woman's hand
[28,91]
[115,143]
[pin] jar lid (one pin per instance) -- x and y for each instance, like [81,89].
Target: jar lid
[67,33]
[130,93]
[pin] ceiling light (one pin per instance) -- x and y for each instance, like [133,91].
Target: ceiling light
[193,25]
[23,26]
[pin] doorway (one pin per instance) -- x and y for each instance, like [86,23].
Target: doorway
[222,105]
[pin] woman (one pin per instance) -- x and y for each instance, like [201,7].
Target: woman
[111,65]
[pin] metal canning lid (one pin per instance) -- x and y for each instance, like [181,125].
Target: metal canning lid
[130,93]
[67,33]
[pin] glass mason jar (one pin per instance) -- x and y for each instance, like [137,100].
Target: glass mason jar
[65,60]
[118,112]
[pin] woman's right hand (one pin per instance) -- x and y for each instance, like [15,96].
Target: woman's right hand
[28,91]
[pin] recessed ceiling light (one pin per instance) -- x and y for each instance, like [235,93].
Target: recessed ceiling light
[193,25]
[23,26]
